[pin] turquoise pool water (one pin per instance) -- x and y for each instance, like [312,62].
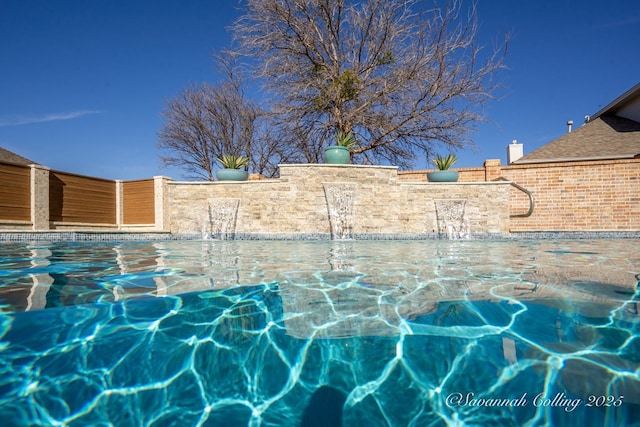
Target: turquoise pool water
[405,333]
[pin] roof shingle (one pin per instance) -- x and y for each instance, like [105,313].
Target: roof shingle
[7,156]
[606,137]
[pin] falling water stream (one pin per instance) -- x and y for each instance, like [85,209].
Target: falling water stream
[452,222]
[220,220]
[340,197]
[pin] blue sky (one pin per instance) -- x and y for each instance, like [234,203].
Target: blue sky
[83,82]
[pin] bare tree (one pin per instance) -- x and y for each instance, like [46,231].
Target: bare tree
[207,121]
[400,77]
[269,149]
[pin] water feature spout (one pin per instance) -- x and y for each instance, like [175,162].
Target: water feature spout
[452,222]
[340,197]
[220,219]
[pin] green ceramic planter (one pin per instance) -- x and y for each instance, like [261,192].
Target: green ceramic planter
[231,175]
[337,155]
[443,176]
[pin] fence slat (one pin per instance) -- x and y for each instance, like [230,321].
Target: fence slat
[138,202]
[15,192]
[76,198]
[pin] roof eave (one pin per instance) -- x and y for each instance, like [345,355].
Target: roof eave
[616,103]
[574,159]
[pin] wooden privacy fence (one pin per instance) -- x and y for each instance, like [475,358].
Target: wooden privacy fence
[15,192]
[35,197]
[81,199]
[138,202]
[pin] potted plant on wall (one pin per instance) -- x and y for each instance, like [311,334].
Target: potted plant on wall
[443,174]
[232,168]
[340,153]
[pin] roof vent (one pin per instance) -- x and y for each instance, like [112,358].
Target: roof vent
[569,125]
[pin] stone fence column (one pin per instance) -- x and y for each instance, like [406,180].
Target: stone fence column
[119,204]
[39,197]
[161,202]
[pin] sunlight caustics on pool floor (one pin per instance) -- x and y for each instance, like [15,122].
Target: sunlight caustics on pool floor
[412,333]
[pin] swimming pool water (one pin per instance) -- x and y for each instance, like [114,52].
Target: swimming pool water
[403,333]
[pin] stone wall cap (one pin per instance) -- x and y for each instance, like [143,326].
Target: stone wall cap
[249,181]
[328,165]
[38,166]
[456,183]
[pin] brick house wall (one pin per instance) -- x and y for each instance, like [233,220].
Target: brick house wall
[589,195]
[596,195]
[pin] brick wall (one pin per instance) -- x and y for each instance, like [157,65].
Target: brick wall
[602,195]
[578,196]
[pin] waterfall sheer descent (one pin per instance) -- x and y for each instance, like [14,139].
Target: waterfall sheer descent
[452,222]
[220,219]
[340,197]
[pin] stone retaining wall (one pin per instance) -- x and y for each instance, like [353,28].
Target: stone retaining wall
[297,202]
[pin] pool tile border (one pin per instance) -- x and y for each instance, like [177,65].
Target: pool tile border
[575,235]
[81,236]
[88,236]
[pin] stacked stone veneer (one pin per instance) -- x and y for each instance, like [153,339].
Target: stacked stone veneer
[296,202]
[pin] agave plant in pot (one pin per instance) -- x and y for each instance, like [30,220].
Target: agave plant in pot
[340,153]
[232,168]
[443,174]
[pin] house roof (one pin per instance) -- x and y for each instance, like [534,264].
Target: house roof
[7,156]
[611,133]
[626,105]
